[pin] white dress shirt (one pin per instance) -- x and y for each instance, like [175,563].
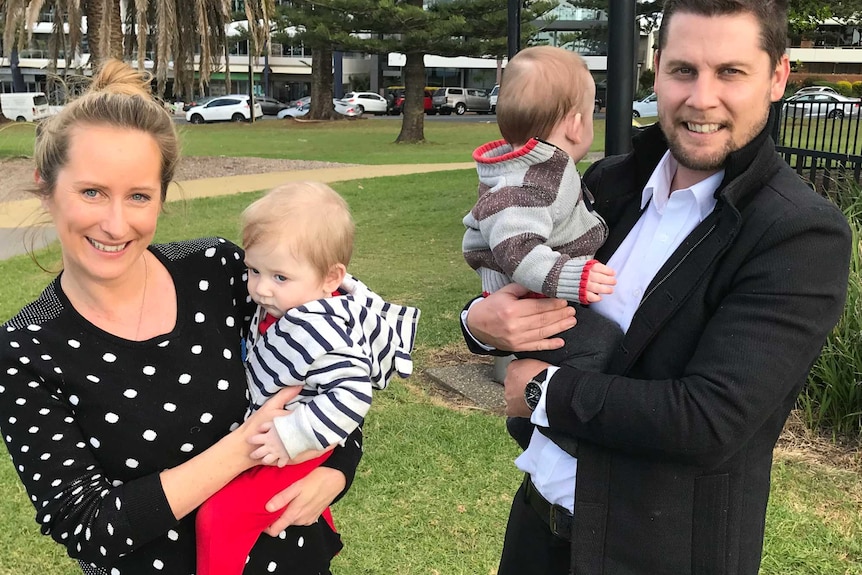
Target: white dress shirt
[667,220]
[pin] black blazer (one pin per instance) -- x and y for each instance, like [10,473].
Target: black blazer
[675,441]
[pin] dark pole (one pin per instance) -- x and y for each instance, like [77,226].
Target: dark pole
[250,83]
[17,76]
[338,74]
[266,69]
[514,27]
[621,63]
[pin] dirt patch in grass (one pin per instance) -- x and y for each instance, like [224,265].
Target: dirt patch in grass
[800,443]
[455,354]
[796,442]
[18,172]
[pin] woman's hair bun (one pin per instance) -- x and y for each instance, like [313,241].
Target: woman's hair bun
[116,77]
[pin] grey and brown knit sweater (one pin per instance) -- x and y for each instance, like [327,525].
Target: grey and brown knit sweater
[533,223]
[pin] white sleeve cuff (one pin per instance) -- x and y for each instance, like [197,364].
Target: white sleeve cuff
[467,329]
[540,414]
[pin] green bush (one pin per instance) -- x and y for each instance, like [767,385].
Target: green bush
[646,81]
[857,88]
[832,398]
[810,81]
[844,87]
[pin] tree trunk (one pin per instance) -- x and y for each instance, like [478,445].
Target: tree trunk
[413,124]
[104,30]
[321,85]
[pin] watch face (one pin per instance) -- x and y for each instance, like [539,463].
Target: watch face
[532,394]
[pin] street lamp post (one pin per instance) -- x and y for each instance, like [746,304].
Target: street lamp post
[621,60]
[514,27]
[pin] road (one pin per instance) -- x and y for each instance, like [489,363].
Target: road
[469,118]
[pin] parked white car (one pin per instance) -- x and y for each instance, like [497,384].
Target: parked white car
[492,98]
[821,105]
[25,106]
[646,107]
[231,108]
[367,102]
[816,90]
[340,106]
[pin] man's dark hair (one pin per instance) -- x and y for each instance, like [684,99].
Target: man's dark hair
[771,14]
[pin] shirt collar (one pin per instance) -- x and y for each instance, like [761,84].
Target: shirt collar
[659,183]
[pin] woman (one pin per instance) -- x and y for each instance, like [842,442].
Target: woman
[124,393]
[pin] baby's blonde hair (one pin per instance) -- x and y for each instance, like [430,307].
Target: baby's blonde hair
[310,217]
[541,86]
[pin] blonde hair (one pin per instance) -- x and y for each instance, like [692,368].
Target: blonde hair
[118,96]
[540,86]
[310,217]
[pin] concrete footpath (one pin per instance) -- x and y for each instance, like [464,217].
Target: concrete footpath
[18,221]
[17,217]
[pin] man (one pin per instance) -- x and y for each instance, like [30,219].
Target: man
[730,272]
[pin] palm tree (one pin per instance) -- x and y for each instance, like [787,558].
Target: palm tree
[177,29]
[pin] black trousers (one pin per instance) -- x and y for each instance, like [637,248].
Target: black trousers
[530,548]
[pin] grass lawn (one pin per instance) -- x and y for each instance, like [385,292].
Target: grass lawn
[433,490]
[364,141]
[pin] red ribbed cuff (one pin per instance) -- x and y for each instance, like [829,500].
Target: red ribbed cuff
[585,277]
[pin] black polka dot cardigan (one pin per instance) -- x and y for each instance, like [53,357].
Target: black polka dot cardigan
[91,419]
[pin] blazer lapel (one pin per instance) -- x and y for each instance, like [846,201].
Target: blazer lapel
[675,282]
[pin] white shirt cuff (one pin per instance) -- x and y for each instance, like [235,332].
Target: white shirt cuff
[467,329]
[540,414]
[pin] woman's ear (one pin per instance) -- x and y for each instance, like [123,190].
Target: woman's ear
[37,177]
[334,277]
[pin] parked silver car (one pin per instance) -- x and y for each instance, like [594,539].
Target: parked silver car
[645,107]
[461,100]
[340,106]
[821,105]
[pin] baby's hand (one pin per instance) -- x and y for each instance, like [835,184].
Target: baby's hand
[271,450]
[600,281]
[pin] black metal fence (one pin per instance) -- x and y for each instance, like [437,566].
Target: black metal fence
[820,141]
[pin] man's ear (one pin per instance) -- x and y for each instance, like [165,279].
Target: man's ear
[779,78]
[334,277]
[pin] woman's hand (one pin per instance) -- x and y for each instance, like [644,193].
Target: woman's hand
[505,322]
[306,499]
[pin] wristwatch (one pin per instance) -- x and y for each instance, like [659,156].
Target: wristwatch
[533,391]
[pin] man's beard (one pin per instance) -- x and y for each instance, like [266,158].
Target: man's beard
[713,162]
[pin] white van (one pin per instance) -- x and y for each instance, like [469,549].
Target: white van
[25,106]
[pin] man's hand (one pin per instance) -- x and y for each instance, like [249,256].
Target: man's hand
[506,322]
[518,373]
[601,280]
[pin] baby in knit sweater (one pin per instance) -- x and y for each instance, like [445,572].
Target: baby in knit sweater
[534,222]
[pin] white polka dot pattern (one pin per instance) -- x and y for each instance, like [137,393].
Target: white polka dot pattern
[110,415]
[90,420]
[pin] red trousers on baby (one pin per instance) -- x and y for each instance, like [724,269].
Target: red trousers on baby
[228,523]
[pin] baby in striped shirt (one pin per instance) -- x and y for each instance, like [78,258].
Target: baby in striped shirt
[316,327]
